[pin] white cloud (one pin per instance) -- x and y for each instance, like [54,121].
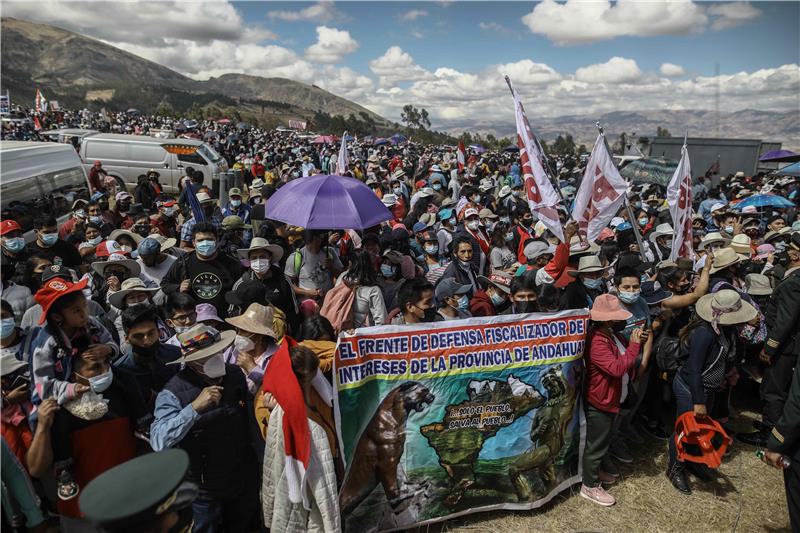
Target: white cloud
[729,15]
[577,21]
[345,82]
[417,34]
[414,14]
[395,65]
[671,70]
[331,46]
[319,12]
[492,26]
[615,70]
[526,72]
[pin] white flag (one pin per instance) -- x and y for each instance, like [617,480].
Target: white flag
[679,199]
[542,197]
[601,193]
[342,163]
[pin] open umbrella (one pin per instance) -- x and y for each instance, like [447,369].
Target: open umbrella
[323,139]
[327,202]
[764,200]
[511,148]
[779,156]
[791,170]
[477,148]
[380,141]
[398,138]
[224,121]
[655,170]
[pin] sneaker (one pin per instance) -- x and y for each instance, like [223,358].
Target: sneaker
[620,452]
[598,495]
[606,478]
[657,432]
[756,438]
[608,466]
[67,488]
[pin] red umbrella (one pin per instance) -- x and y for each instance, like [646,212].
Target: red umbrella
[224,121]
[324,139]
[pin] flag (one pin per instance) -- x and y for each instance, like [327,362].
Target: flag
[342,163]
[714,168]
[461,156]
[601,193]
[191,199]
[679,199]
[543,199]
[37,124]
[41,102]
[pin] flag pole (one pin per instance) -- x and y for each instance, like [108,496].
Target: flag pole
[631,217]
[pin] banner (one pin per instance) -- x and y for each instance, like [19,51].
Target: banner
[679,199]
[5,103]
[442,419]
[298,124]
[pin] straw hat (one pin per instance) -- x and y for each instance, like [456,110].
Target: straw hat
[662,230]
[714,237]
[588,264]
[579,247]
[607,308]
[505,190]
[128,264]
[114,236]
[259,243]
[724,258]
[10,364]
[741,245]
[726,308]
[129,286]
[202,342]
[757,285]
[256,319]
[389,200]
[535,249]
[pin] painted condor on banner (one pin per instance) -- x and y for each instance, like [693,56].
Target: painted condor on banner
[679,199]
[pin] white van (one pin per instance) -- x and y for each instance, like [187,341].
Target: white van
[126,157]
[39,177]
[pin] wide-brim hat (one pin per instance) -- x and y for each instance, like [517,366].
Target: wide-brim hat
[259,243]
[499,279]
[505,190]
[725,307]
[714,237]
[256,319]
[128,264]
[757,285]
[10,364]
[662,230]
[654,293]
[202,342]
[723,258]
[741,244]
[114,236]
[389,200]
[607,308]
[129,286]
[587,265]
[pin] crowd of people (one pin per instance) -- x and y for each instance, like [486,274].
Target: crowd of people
[139,325]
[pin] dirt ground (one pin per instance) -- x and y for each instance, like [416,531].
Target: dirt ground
[747,496]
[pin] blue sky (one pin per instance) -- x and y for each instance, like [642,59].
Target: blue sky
[564,57]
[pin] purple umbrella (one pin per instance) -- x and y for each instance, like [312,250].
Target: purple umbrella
[777,156]
[327,202]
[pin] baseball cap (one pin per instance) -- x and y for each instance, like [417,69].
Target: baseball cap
[499,279]
[149,246]
[470,212]
[419,226]
[234,222]
[56,271]
[7,226]
[54,289]
[449,287]
[246,293]
[235,191]
[444,214]
[122,195]
[109,247]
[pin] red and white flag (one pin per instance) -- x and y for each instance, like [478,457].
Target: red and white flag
[543,199]
[461,156]
[343,162]
[37,124]
[679,199]
[41,102]
[601,193]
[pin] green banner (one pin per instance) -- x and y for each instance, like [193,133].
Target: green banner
[444,419]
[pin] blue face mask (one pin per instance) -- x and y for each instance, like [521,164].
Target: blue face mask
[236,203]
[102,382]
[628,297]
[49,239]
[6,327]
[497,299]
[206,247]
[643,221]
[463,303]
[593,283]
[14,245]
[388,271]
[437,187]
[96,220]
[509,236]
[95,241]
[431,249]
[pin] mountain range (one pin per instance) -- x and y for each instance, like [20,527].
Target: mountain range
[76,70]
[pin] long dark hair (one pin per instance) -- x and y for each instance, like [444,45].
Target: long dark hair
[686,331]
[361,270]
[499,235]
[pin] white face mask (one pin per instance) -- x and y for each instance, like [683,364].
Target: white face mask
[473,225]
[259,266]
[214,367]
[244,344]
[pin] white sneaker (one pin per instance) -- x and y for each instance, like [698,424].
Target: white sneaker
[598,495]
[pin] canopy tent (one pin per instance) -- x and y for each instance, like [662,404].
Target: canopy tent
[656,170]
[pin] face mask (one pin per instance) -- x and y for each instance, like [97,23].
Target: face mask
[388,271]
[296,174]
[618,326]
[181,329]
[525,307]
[593,283]
[259,266]
[96,220]
[244,344]
[214,367]
[142,229]
[729,230]
[643,221]
[452,221]
[476,198]
[100,383]
[473,225]
[14,245]
[437,187]
[515,194]
[497,299]
[526,223]
[489,226]
[431,249]
[95,241]
[637,205]
[148,352]
[80,213]
[628,297]
[206,247]
[169,212]
[509,236]
[430,315]
[49,239]
[463,303]
[6,327]
[256,200]
[397,191]
[236,203]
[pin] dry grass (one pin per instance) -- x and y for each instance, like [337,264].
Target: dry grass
[747,496]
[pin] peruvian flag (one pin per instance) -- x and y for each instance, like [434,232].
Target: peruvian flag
[601,193]
[461,156]
[37,124]
[41,102]
[343,162]
[679,199]
[542,197]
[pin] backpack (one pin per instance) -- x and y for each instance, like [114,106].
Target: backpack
[300,256]
[337,307]
[669,356]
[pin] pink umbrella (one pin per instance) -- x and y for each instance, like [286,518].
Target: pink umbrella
[224,121]
[324,139]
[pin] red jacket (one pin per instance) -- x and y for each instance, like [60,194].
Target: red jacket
[481,304]
[605,367]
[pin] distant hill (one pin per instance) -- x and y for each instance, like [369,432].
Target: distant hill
[75,69]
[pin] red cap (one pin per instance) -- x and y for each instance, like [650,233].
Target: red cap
[7,226]
[420,184]
[106,248]
[54,289]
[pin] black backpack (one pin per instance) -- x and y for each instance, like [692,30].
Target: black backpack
[670,355]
